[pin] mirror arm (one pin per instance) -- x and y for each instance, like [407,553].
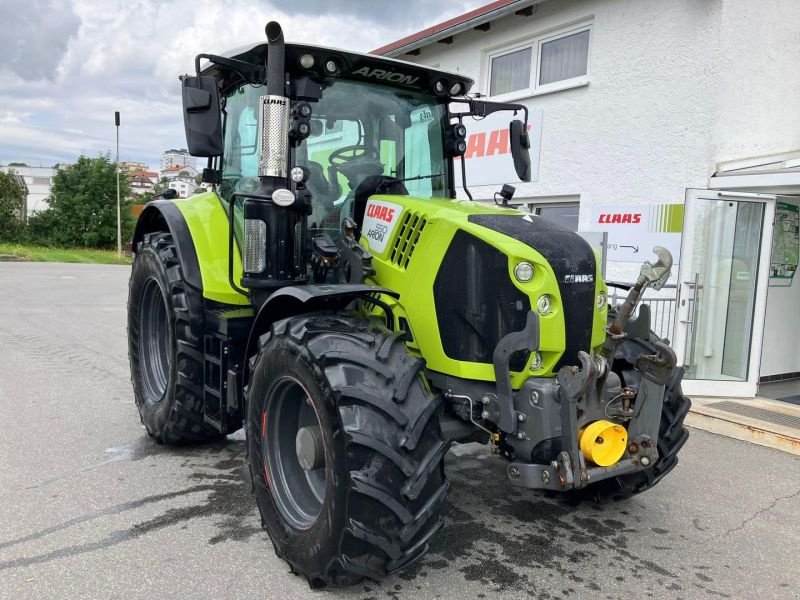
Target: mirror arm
[481,108]
[249,72]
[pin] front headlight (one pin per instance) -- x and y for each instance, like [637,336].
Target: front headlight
[524,272]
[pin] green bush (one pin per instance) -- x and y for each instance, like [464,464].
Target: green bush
[83,207]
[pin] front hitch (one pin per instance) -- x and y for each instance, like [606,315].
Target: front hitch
[651,275]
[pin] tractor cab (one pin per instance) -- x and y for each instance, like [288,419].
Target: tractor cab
[331,129]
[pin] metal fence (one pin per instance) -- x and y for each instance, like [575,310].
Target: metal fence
[662,307]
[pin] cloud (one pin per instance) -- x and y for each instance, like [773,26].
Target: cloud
[85,59]
[35,36]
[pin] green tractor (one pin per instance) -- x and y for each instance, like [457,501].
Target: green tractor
[333,297]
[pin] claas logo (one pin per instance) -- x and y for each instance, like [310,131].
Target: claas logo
[378,211]
[620,218]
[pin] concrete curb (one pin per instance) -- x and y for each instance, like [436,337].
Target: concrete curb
[707,415]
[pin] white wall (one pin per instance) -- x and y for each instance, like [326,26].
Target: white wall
[759,72]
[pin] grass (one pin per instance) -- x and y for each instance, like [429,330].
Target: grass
[66,255]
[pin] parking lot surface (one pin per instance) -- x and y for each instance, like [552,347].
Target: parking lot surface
[91,507]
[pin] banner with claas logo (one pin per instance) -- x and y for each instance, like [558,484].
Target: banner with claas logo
[633,230]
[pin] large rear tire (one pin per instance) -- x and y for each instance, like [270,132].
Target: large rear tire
[166,357]
[672,435]
[344,448]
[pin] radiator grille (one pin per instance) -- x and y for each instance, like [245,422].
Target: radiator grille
[407,237]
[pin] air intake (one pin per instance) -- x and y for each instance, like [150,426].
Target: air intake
[407,238]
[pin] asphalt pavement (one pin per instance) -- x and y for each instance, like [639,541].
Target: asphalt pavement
[90,507]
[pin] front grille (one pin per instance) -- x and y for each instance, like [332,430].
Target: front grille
[476,302]
[407,237]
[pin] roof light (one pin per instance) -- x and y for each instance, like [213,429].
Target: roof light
[331,67]
[456,89]
[306,61]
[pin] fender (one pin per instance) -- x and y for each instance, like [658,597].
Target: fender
[296,300]
[198,225]
[160,215]
[163,215]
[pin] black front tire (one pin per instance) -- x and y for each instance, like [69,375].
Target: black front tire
[166,357]
[382,477]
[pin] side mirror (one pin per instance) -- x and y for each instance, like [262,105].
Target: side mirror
[202,117]
[520,144]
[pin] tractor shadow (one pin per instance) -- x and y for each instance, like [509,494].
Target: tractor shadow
[508,539]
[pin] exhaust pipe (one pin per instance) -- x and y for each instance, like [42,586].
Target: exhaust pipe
[274,249]
[273,123]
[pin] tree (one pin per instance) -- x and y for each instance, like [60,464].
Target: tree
[12,206]
[83,204]
[17,164]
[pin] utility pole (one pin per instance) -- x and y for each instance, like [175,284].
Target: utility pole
[119,220]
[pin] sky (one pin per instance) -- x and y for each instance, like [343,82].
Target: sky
[67,65]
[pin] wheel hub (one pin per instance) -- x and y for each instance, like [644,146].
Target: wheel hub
[309,448]
[293,450]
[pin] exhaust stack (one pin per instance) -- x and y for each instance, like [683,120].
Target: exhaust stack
[274,249]
[273,123]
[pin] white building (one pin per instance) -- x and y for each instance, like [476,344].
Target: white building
[185,186]
[177,158]
[39,181]
[640,105]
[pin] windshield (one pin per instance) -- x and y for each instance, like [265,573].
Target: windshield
[361,134]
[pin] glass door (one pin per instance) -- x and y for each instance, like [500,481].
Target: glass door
[722,291]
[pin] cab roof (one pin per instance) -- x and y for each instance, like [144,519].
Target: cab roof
[350,65]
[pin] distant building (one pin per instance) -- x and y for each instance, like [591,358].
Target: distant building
[177,158]
[179,171]
[185,186]
[38,181]
[133,167]
[142,182]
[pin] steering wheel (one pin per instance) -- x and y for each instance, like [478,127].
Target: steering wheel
[351,154]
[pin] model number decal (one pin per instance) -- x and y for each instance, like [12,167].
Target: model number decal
[380,219]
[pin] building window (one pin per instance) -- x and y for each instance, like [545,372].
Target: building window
[511,72]
[549,62]
[564,57]
[40,181]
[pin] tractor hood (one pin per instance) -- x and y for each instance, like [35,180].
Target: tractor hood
[454,263]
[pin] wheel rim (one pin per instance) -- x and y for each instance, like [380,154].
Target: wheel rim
[293,452]
[154,356]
